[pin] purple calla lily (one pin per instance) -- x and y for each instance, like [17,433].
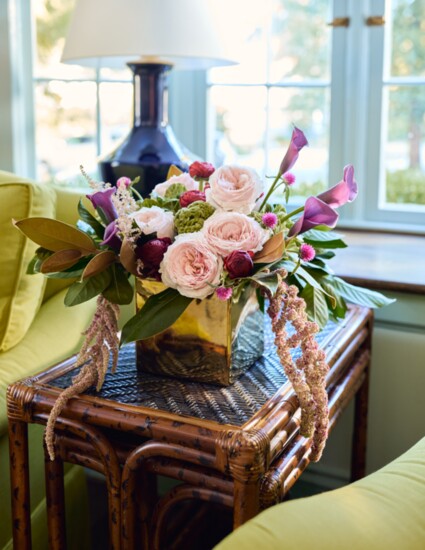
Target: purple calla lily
[316,212]
[343,192]
[111,238]
[102,202]
[298,141]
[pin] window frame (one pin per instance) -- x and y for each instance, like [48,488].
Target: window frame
[356,50]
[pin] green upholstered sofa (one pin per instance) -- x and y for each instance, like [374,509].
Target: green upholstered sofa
[383,511]
[36,331]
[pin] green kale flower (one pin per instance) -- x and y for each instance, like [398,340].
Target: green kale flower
[192,218]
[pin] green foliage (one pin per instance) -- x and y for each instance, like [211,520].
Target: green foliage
[82,291]
[159,312]
[406,187]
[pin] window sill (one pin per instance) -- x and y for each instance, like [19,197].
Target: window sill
[384,261]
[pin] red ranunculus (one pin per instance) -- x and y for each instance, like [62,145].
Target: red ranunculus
[201,169]
[151,254]
[191,196]
[238,264]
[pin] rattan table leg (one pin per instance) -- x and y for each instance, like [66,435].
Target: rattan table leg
[246,501]
[19,483]
[55,499]
[358,454]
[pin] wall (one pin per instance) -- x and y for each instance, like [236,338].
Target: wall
[396,398]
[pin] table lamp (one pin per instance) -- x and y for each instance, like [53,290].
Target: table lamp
[151,36]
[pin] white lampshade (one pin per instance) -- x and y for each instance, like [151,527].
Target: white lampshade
[110,33]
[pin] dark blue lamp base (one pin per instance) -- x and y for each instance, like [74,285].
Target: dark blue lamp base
[151,146]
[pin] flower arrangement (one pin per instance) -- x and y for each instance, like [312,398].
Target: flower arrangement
[211,231]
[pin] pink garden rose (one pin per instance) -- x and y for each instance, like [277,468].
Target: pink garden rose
[234,188]
[191,266]
[185,179]
[229,231]
[155,220]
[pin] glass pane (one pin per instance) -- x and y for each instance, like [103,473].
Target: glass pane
[308,109]
[404,145]
[65,128]
[116,74]
[51,22]
[116,111]
[300,40]
[238,126]
[406,37]
[246,41]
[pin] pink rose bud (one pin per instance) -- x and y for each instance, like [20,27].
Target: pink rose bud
[269,220]
[188,197]
[124,182]
[201,169]
[238,264]
[289,178]
[307,252]
[223,293]
[151,254]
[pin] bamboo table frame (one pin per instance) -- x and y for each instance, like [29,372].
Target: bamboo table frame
[246,468]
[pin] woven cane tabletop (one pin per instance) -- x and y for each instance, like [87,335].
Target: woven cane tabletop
[234,404]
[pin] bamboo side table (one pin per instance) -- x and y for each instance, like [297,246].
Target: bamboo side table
[237,446]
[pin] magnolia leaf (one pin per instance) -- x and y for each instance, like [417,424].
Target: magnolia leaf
[271,251]
[90,220]
[83,291]
[339,307]
[99,263]
[358,295]
[119,290]
[55,235]
[173,171]
[36,262]
[60,260]
[317,308]
[159,312]
[322,239]
[128,258]
[269,281]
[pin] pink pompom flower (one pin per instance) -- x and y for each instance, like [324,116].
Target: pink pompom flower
[269,220]
[289,178]
[224,293]
[307,252]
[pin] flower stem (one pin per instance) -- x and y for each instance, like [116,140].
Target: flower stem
[270,191]
[293,213]
[135,192]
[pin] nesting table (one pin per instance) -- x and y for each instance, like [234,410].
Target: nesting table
[237,446]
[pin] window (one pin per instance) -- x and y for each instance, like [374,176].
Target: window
[397,84]
[357,92]
[78,114]
[255,104]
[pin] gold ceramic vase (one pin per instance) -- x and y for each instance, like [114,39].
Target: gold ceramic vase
[212,341]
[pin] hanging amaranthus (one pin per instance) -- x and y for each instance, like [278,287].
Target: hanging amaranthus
[308,374]
[100,344]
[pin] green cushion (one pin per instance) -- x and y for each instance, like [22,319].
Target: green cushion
[20,294]
[384,511]
[54,335]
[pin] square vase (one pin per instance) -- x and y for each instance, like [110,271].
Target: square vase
[212,341]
